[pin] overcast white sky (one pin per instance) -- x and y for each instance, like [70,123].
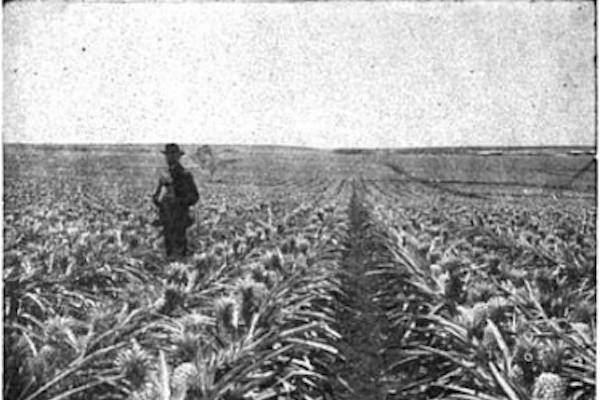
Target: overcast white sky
[383,74]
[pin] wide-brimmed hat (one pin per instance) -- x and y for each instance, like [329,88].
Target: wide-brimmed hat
[172,148]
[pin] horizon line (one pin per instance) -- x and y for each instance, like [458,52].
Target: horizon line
[303,146]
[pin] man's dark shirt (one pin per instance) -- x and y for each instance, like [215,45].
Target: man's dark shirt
[174,211]
[184,186]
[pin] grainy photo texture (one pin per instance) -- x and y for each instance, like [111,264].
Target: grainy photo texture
[299,200]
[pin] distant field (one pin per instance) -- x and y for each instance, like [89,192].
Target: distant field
[127,173]
[500,173]
[260,164]
[138,163]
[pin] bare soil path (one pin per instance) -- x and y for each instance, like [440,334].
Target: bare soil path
[361,322]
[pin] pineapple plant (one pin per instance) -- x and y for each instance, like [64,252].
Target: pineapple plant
[201,261]
[481,291]
[490,342]
[499,311]
[186,344]
[194,322]
[135,365]
[302,245]
[184,377]
[172,298]
[481,312]
[255,271]
[227,312]
[180,274]
[583,333]
[473,318]
[273,260]
[252,295]
[526,360]
[454,288]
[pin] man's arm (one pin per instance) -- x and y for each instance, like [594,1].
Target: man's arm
[161,182]
[156,195]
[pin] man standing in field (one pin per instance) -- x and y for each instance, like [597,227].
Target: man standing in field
[174,195]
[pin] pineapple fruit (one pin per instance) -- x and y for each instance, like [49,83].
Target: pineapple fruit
[549,386]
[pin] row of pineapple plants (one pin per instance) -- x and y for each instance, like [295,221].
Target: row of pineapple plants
[92,310]
[480,313]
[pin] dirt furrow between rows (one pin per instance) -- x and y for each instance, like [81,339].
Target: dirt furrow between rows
[361,322]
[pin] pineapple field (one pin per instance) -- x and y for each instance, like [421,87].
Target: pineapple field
[312,274]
